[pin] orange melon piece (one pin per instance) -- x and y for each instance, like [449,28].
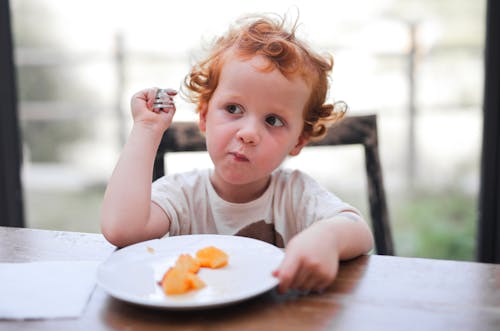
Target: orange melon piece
[195,282]
[175,281]
[212,257]
[179,281]
[188,263]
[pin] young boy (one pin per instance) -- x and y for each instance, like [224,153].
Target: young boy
[260,96]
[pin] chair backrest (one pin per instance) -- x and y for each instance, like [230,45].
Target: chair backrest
[186,137]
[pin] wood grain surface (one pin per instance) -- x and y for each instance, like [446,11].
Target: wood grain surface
[370,293]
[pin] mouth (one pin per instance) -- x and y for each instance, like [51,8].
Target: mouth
[239,157]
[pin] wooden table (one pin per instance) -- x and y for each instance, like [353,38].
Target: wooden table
[370,293]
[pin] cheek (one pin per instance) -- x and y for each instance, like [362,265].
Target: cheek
[216,139]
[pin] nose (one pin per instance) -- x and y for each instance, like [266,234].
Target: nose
[249,133]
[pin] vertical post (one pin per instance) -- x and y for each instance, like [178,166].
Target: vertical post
[488,238]
[412,108]
[119,57]
[11,206]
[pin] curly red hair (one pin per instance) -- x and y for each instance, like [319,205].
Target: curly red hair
[263,35]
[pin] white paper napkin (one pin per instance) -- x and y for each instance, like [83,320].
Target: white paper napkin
[39,290]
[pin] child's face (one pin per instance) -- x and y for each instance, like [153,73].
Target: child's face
[253,121]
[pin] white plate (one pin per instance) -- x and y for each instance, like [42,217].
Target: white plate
[132,273]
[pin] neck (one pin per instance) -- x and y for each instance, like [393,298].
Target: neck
[240,193]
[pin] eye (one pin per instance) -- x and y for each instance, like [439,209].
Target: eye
[274,121]
[234,109]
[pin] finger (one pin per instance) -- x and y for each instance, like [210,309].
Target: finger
[167,115]
[321,286]
[142,94]
[167,107]
[169,112]
[300,279]
[311,283]
[171,91]
[164,100]
[139,99]
[151,95]
[286,273]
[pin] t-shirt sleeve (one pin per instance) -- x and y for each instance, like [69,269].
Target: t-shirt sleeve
[311,202]
[168,193]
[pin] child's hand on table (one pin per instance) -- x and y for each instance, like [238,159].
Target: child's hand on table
[311,261]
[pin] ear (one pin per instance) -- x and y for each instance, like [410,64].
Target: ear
[202,111]
[303,140]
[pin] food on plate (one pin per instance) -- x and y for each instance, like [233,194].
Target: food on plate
[187,262]
[211,257]
[182,277]
[179,280]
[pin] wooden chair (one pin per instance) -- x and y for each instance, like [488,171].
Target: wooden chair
[186,137]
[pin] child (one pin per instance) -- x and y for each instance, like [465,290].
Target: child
[260,97]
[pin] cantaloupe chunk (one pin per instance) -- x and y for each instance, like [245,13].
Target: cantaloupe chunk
[212,257]
[195,282]
[187,262]
[175,281]
[179,281]
[182,277]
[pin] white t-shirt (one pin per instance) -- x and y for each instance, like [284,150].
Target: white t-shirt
[291,203]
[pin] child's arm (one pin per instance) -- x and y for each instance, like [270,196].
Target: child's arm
[128,215]
[312,256]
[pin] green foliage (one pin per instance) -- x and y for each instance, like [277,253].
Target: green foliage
[436,225]
[64,210]
[48,140]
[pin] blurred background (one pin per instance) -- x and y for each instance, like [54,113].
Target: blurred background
[418,65]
